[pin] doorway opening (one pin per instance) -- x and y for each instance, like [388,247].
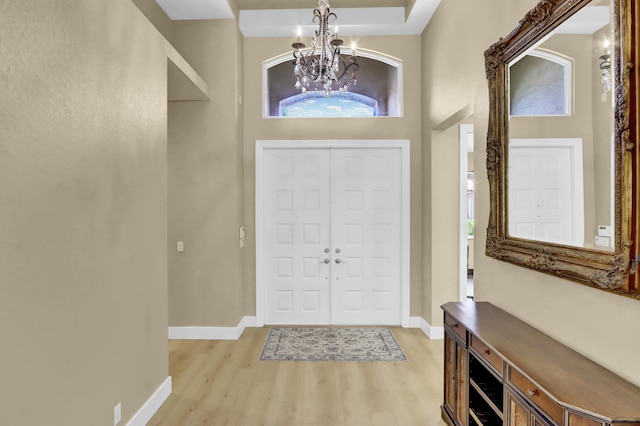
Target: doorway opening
[466,202]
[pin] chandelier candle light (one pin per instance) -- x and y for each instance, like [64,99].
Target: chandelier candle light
[321,67]
[605,66]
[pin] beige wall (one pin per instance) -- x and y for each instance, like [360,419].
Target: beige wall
[156,16]
[442,284]
[588,320]
[83,311]
[205,181]
[405,48]
[84,172]
[452,78]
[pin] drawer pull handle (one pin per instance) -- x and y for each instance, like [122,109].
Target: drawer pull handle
[455,325]
[532,392]
[487,352]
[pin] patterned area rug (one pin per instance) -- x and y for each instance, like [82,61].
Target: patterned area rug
[331,344]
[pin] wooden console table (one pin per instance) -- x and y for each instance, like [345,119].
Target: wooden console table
[501,371]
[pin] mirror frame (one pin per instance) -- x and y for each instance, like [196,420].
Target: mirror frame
[598,269]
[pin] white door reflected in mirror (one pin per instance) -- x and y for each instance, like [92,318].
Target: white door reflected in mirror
[545,190]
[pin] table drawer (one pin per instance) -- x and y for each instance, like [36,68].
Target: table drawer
[487,353]
[456,327]
[535,395]
[579,420]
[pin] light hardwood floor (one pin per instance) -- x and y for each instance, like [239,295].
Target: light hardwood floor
[224,383]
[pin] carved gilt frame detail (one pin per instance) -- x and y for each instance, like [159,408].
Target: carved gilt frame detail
[598,269]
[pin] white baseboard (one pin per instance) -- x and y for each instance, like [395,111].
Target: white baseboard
[433,333]
[149,408]
[212,333]
[234,333]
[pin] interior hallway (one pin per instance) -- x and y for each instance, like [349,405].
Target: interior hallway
[223,383]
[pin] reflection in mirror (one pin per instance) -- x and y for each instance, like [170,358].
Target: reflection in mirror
[540,83]
[561,124]
[561,143]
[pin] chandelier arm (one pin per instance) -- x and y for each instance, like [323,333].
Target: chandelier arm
[308,62]
[353,64]
[346,67]
[299,56]
[316,15]
[335,53]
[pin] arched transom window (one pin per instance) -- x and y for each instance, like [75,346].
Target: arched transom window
[540,85]
[377,92]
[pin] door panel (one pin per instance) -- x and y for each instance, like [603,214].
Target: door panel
[346,201]
[366,194]
[297,231]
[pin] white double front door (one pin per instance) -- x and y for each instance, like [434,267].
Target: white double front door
[332,236]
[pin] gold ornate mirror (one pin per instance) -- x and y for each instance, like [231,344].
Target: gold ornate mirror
[561,143]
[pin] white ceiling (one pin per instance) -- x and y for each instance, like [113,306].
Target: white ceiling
[352,21]
[179,10]
[586,21]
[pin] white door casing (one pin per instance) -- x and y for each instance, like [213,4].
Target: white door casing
[370,284]
[465,146]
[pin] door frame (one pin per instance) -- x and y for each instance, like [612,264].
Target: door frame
[405,215]
[465,132]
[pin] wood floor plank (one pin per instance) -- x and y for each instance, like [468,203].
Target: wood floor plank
[225,383]
[331,398]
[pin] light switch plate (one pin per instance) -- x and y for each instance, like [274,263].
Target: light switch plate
[605,231]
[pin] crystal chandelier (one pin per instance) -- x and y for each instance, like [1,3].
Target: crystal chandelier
[321,67]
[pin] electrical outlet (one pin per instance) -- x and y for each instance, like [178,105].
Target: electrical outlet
[180,246]
[117,414]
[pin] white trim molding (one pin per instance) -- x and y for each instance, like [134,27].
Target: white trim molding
[149,408]
[432,332]
[354,21]
[465,139]
[234,333]
[212,333]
